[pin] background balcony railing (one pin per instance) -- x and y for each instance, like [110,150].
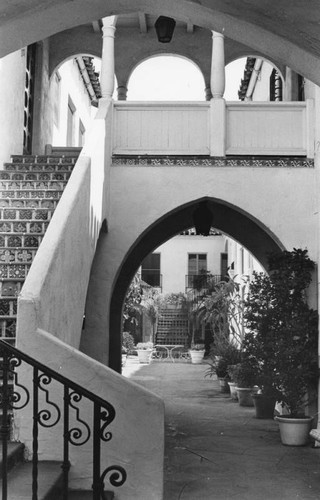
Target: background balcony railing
[201,281]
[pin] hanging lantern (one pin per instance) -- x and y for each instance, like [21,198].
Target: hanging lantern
[202,219]
[164,28]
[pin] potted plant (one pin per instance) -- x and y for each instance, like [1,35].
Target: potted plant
[245,376]
[127,346]
[222,355]
[144,350]
[289,337]
[196,353]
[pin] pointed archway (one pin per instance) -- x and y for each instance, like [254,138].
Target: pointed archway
[227,218]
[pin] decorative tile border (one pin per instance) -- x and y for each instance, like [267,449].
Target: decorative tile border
[204,161]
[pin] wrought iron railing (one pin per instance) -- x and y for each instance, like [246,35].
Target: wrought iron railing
[49,413]
[201,281]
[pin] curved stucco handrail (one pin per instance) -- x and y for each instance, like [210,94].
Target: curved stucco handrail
[53,299]
[137,442]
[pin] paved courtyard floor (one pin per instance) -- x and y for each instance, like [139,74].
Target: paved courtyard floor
[216,449]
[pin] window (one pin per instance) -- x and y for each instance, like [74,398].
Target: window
[197,263]
[224,265]
[82,133]
[56,98]
[71,123]
[150,270]
[197,266]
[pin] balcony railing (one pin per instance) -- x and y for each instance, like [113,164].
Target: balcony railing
[201,281]
[48,413]
[202,128]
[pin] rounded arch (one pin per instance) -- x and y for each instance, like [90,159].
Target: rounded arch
[166,76]
[227,218]
[235,72]
[22,25]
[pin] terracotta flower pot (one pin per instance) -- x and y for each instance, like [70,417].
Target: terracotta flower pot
[264,405]
[224,386]
[233,390]
[294,431]
[144,355]
[196,356]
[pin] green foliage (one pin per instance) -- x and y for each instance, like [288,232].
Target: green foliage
[133,300]
[127,342]
[222,308]
[244,374]
[220,360]
[282,330]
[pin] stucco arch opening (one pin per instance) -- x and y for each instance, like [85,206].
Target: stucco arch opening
[165,59]
[227,218]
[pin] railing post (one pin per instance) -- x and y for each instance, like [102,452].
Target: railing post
[66,463]
[217,103]
[5,428]
[35,432]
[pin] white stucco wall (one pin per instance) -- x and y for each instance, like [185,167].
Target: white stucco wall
[174,259]
[71,86]
[12,78]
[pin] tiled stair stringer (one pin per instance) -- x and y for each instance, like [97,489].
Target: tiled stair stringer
[30,189]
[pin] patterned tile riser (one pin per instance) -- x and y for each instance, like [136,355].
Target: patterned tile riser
[17,255]
[20,240]
[8,307]
[8,329]
[23,227]
[13,175]
[20,214]
[31,194]
[43,159]
[10,288]
[11,185]
[34,203]
[8,271]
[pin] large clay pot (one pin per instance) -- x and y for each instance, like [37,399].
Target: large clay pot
[196,356]
[233,390]
[245,396]
[294,431]
[144,355]
[224,386]
[264,405]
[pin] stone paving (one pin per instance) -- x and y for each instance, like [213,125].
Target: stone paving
[216,449]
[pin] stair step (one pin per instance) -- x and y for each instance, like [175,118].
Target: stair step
[15,455]
[44,159]
[23,226]
[35,175]
[22,214]
[10,185]
[26,194]
[28,203]
[87,495]
[49,481]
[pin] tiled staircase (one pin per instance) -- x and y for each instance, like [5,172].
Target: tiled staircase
[30,188]
[172,327]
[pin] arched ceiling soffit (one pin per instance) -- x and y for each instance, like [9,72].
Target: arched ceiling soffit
[231,220]
[286,31]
